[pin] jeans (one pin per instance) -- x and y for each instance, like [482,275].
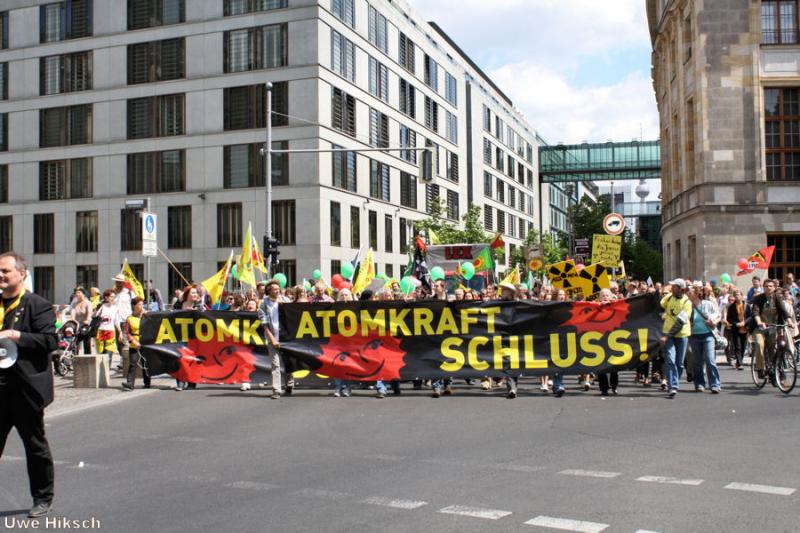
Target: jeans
[441,383]
[136,360]
[674,354]
[380,387]
[704,353]
[275,362]
[558,382]
[343,385]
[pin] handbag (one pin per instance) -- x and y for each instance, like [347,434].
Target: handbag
[720,342]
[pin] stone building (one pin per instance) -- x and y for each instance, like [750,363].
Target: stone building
[727,79]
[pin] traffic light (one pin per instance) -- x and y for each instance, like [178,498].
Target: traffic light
[271,251]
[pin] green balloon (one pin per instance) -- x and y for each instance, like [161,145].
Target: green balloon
[281,279]
[437,273]
[307,286]
[467,271]
[234,272]
[407,285]
[347,270]
[316,275]
[726,278]
[383,276]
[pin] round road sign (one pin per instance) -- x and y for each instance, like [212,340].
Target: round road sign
[614,224]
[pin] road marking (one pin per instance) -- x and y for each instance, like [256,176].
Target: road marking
[511,467]
[565,524]
[590,473]
[475,512]
[251,485]
[323,494]
[187,439]
[394,504]
[381,457]
[13,458]
[765,489]
[670,480]
[645,531]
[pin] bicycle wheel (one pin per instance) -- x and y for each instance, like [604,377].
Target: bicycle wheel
[785,371]
[759,382]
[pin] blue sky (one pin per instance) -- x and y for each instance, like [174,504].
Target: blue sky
[578,69]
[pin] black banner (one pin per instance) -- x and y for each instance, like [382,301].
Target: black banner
[386,340]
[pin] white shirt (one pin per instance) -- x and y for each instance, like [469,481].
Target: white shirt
[109,317]
[124,304]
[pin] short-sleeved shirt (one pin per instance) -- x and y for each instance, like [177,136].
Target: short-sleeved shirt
[109,317]
[134,323]
[673,307]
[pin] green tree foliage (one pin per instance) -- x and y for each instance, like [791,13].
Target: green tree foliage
[553,251]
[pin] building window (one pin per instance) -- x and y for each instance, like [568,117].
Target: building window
[488,223]
[3,30]
[44,282]
[782,121]
[175,280]
[687,38]
[435,151]
[65,126]
[431,114]
[779,21]
[179,226]
[501,221]
[150,13]
[3,132]
[388,233]
[243,165]
[407,53]
[510,167]
[343,56]
[403,237]
[70,19]
[65,179]
[512,197]
[499,158]
[451,89]
[786,259]
[355,227]
[130,229]
[3,81]
[283,221]
[431,73]
[344,170]
[408,139]
[343,112]
[452,166]
[487,119]
[255,48]
[379,180]
[501,191]
[229,225]
[378,30]
[155,116]
[452,205]
[408,190]
[451,127]
[3,184]
[65,73]
[336,224]
[43,233]
[487,184]
[86,276]
[288,267]
[245,107]
[431,197]
[378,79]
[344,10]
[86,231]
[240,7]
[6,234]
[373,230]
[155,172]
[378,129]
[156,61]
[408,99]
[487,151]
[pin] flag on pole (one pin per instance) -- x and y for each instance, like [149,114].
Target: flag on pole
[433,238]
[133,284]
[257,257]
[498,241]
[531,281]
[355,262]
[245,266]
[365,274]
[512,279]
[483,261]
[215,285]
[759,260]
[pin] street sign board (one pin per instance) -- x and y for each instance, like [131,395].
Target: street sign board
[149,227]
[149,249]
[606,249]
[614,224]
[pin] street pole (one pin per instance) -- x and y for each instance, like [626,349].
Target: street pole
[268,170]
[613,204]
[147,270]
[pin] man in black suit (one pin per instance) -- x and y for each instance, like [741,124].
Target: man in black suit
[26,387]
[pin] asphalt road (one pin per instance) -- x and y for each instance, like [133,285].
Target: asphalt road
[218,459]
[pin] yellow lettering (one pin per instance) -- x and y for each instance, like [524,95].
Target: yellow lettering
[376,322]
[587,345]
[615,344]
[250,332]
[472,353]
[449,352]
[447,323]
[423,318]
[231,331]
[555,350]
[530,355]
[490,312]
[511,352]
[397,322]
[326,317]
[307,327]
[184,323]
[204,330]
[165,332]
[349,329]
[467,318]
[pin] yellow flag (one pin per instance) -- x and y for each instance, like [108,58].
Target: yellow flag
[512,278]
[130,280]
[365,274]
[258,257]
[244,269]
[215,285]
[433,237]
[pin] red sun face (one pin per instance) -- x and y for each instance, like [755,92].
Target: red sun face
[602,317]
[214,362]
[362,358]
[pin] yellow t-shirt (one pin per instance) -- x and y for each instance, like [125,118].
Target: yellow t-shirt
[673,307]
[133,326]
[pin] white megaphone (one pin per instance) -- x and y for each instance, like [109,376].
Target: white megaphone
[8,353]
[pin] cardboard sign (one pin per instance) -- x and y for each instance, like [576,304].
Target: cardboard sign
[606,249]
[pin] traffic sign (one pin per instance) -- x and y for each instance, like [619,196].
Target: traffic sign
[149,227]
[614,224]
[149,248]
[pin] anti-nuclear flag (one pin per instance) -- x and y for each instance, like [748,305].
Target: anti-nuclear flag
[244,268]
[385,340]
[215,285]
[365,274]
[758,260]
[131,282]
[258,258]
[484,260]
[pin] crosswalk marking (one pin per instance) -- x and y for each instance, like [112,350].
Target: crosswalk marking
[764,489]
[670,480]
[475,512]
[323,494]
[394,503]
[590,473]
[251,485]
[566,524]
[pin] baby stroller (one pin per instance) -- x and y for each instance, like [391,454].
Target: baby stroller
[70,337]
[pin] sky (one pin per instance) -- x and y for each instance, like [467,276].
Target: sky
[579,70]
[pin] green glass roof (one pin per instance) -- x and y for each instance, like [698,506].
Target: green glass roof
[633,160]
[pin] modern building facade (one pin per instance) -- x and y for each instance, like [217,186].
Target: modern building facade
[104,101]
[727,81]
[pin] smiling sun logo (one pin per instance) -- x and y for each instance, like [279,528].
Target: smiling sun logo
[593,316]
[214,362]
[362,358]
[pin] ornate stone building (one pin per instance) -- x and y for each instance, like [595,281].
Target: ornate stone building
[727,79]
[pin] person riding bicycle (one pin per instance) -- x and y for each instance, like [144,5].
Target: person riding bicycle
[768,309]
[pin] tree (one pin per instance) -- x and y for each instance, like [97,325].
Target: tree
[448,233]
[587,217]
[553,251]
[642,260]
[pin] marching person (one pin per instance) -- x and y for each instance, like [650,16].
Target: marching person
[268,314]
[508,293]
[132,331]
[768,309]
[676,331]
[123,301]
[704,319]
[607,380]
[26,387]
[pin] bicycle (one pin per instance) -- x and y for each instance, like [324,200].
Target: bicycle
[781,369]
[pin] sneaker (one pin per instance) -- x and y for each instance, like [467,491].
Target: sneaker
[244,387]
[448,391]
[486,384]
[347,394]
[663,384]
[437,393]
[178,388]
[699,388]
[381,395]
[614,392]
[604,393]
[126,386]
[511,394]
[672,393]
[559,393]
[40,509]
[587,385]
[276,395]
[337,394]
[264,384]
[715,391]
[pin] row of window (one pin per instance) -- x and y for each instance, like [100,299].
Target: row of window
[495,157]
[495,220]
[494,124]
[516,198]
[372,229]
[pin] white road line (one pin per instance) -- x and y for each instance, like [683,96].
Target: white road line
[251,485]
[187,439]
[670,480]
[645,531]
[382,457]
[475,512]
[511,467]
[565,524]
[323,494]
[765,489]
[12,458]
[590,473]
[394,504]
